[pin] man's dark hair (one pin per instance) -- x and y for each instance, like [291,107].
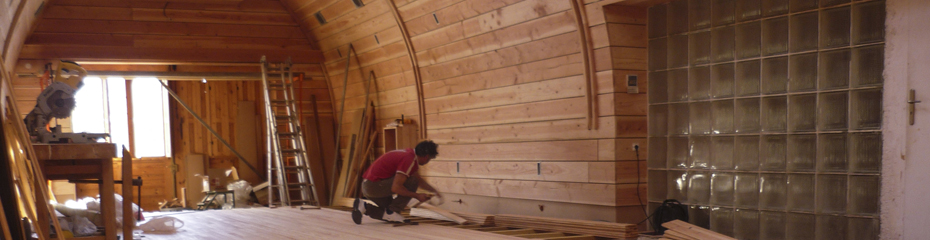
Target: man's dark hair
[426,148]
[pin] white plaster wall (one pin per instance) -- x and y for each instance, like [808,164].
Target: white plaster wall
[906,156]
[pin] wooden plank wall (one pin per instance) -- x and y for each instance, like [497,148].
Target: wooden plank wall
[504,93]
[173,31]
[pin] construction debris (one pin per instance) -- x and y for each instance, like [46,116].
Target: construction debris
[680,230]
[477,218]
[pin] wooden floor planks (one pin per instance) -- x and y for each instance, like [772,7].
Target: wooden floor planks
[292,223]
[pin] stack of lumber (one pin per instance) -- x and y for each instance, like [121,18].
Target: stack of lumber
[363,153]
[680,230]
[429,211]
[599,229]
[477,218]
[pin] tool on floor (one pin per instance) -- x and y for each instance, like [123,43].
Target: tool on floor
[290,174]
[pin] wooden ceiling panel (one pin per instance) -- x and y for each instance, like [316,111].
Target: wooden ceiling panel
[197,31]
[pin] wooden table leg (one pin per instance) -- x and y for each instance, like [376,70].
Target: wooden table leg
[107,201]
[128,222]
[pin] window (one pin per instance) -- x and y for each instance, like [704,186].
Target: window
[102,107]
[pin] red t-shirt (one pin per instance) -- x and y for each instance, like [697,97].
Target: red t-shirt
[392,163]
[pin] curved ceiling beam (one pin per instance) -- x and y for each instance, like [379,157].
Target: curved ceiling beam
[421,106]
[587,52]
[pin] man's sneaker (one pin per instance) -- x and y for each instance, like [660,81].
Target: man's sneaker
[361,207]
[396,217]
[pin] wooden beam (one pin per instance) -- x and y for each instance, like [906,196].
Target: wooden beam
[588,57]
[166,28]
[99,53]
[416,70]
[444,213]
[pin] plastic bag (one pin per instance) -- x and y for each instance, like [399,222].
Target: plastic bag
[82,226]
[241,189]
[164,224]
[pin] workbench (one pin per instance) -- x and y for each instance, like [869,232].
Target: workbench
[92,161]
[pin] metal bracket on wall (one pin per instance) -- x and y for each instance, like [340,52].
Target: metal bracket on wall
[911,102]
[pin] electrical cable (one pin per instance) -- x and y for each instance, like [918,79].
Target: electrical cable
[638,181]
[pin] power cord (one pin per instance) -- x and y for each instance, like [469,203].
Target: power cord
[638,181]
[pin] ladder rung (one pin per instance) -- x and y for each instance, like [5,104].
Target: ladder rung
[288,134]
[299,184]
[294,167]
[279,84]
[284,116]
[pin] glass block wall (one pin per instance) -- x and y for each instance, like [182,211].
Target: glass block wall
[765,115]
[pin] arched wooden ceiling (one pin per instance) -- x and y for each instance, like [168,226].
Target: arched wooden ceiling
[168,31]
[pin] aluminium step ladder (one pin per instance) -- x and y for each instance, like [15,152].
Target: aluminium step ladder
[290,173]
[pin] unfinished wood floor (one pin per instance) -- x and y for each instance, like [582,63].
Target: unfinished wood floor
[292,223]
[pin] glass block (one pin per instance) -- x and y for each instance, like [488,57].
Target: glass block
[830,227]
[724,12]
[774,114]
[723,153]
[863,229]
[723,116]
[677,51]
[802,153]
[748,10]
[658,87]
[722,80]
[700,152]
[774,7]
[834,28]
[678,119]
[678,152]
[678,85]
[746,224]
[772,225]
[699,216]
[867,66]
[864,195]
[865,152]
[775,75]
[834,69]
[722,189]
[723,43]
[700,47]
[774,192]
[827,3]
[699,83]
[748,39]
[801,192]
[800,226]
[831,194]
[866,110]
[868,22]
[700,118]
[658,120]
[803,32]
[746,115]
[699,188]
[748,77]
[832,154]
[658,185]
[802,113]
[803,5]
[773,153]
[677,17]
[678,186]
[658,152]
[747,190]
[721,220]
[657,21]
[775,36]
[802,72]
[831,111]
[658,54]
[699,12]
[747,153]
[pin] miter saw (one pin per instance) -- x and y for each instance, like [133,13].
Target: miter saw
[57,101]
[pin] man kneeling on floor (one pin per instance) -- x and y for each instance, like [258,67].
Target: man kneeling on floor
[395,172]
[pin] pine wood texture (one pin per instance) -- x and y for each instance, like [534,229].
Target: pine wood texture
[681,230]
[292,223]
[168,32]
[600,229]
